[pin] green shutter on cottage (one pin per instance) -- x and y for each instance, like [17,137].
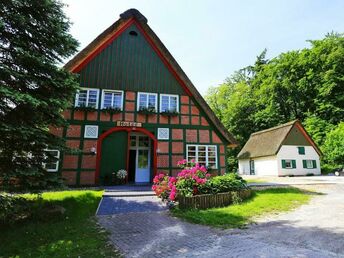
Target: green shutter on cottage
[301,150]
[304,162]
[314,163]
[293,163]
[283,163]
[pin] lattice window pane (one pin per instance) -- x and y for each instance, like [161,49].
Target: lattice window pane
[163,133]
[91,131]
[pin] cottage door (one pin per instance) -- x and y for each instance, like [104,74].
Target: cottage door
[252,167]
[142,173]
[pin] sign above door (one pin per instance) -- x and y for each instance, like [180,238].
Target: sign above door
[128,124]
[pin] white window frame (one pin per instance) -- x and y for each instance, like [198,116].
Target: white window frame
[88,137]
[88,92]
[57,163]
[169,103]
[309,161]
[206,153]
[147,93]
[289,161]
[112,91]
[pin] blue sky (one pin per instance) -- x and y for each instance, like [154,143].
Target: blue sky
[212,39]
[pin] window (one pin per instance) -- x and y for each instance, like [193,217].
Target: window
[87,98]
[301,150]
[91,131]
[112,99]
[308,163]
[163,133]
[147,101]
[288,163]
[203,154]
[169,103]
[52,166]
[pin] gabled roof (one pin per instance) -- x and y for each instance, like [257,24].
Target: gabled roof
[133,16]
[268,142]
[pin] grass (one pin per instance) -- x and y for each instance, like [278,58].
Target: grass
[74,235]
[238,215]
[255,181]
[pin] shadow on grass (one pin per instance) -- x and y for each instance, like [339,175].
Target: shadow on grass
[72,235]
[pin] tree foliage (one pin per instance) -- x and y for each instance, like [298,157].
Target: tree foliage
[34,90]
[305,84]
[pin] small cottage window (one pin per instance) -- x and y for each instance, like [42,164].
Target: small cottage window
[147,101]
[52,166]
[87,98]
[169,103]
[308,163]
[163,133]
[91,131]
[203,154]
[288,163]
[112,99]
[301,150]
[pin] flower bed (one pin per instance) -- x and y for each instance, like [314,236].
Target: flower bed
[206,201]
[195,181]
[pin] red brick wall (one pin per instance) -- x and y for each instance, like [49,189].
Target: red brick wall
[87,178]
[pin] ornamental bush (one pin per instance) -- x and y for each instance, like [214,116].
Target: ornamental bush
[194,180]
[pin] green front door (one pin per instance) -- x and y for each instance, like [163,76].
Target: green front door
[113,155]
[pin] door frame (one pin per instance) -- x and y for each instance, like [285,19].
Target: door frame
[137,148]
[128,130]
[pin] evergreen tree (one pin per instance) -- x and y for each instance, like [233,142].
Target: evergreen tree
[34,89]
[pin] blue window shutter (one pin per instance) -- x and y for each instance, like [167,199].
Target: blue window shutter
[314,163]
[293,163]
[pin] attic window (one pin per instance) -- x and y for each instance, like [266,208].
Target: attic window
[133,33]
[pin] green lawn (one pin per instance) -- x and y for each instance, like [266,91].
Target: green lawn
[75,235]
[255,181]
[263,202]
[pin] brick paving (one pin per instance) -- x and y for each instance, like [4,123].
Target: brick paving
[314,230]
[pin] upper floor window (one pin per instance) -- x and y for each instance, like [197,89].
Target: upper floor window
[112,99]
[147,101]
[301,150]
[169,103]
[87,98]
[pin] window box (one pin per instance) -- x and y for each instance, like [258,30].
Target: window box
[85,108]
[169,113]
[112,110]
[147,110]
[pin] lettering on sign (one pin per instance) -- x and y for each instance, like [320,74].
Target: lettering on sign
[129,124]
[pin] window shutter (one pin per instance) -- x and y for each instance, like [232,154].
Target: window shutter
[314,163]
[294,163]
[304,162]
[301,150]
[283,163]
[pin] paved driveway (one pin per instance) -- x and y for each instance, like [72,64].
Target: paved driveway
[313,230]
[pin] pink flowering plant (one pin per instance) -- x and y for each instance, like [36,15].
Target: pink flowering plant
[191,179]
[186,164]
[165,187]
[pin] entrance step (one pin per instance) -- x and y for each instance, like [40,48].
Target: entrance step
[128,191]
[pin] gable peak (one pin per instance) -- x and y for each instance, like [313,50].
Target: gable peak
[133,13]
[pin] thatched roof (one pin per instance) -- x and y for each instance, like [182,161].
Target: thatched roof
[106,37]
[268,142]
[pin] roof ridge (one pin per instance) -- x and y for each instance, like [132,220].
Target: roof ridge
[133,13]
[276,127]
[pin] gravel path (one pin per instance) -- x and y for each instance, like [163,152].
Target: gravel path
[313,230]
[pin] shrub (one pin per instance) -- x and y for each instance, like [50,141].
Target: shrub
[165,187]
[225,183]
[13,208]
